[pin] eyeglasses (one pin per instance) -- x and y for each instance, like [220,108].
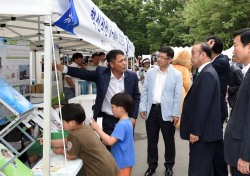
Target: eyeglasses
[160,57]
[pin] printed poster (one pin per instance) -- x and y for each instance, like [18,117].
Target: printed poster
[15,167]
[13,99]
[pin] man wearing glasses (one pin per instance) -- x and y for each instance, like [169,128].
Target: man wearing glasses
[160,105]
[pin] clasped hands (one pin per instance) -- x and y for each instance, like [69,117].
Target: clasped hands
[193,138]
[243,166]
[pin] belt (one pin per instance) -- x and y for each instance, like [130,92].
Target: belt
[105,115]
[156,105]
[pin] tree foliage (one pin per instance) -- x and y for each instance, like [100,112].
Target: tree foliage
[220,18]
[150,24]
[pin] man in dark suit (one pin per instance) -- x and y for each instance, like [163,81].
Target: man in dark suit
[237,134]
[201,123]
[109,81]
[235,79]
[222,67]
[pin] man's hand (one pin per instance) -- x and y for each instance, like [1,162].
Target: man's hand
[59,67]
[143,114]
[193,138]
[175,120]
[133,121]
[243,166]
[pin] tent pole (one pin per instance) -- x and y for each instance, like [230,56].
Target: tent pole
[47,94]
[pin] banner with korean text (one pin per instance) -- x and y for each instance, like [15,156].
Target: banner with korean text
[88,22]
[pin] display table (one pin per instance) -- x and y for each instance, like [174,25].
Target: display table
[58,167]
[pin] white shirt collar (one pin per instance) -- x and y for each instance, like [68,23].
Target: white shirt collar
[202,66]
[245,69]
[113,76]
[74,64]
[159,70]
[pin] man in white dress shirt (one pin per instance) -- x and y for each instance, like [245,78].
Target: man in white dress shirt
[69,82]
[160,105]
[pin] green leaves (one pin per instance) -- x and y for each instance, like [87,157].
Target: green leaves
[154,23]
[221,18]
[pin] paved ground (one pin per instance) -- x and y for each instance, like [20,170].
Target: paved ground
[182,149]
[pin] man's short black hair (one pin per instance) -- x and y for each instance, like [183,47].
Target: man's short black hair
[244,35]
[74,112]
[94,55]
[168,50]
[111,56]
[101,54]
[76,56]
[218,44]
[123,100]
[205,48]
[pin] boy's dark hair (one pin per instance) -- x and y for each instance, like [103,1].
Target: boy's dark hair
[244,35]
[218,44]
[123,100]
[76,56]
[111,56]
[168,50]
[74,112]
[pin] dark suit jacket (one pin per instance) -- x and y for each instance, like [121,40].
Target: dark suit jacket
[222,67]
[237,134]
[234,82]
[102,77]
[201,114]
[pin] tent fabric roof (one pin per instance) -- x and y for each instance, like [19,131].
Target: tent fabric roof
[31,28]
[28,7]
[21,21]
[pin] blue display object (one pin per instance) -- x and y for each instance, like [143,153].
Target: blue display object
[13,99]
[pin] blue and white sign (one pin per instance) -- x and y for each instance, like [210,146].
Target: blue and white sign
[69,20]
[87,21]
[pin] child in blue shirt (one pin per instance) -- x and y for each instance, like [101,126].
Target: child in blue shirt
[121,139]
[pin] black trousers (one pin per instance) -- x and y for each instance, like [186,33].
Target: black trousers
[201,158]
[108,124]
[219,164]
[235,172]
[153,125]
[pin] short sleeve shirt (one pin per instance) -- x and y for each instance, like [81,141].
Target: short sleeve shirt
[97,160]
[72,78]
[123,150]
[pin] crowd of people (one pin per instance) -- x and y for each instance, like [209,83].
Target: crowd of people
[190,91]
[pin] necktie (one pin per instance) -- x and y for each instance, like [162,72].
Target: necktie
[197,73]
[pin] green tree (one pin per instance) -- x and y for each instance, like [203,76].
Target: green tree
[220,18]
[153,23]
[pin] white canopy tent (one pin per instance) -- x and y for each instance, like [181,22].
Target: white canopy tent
[33,20]
[229,52]
[94,33]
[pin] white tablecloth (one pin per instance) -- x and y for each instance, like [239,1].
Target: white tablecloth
[58,167]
